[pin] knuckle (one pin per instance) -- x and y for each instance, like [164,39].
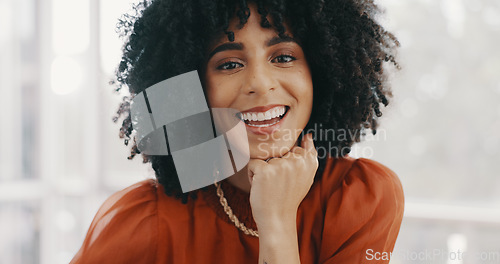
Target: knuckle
[287,165]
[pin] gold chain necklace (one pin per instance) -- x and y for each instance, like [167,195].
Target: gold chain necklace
[232,217]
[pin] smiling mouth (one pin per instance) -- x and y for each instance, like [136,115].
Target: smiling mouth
[264,119]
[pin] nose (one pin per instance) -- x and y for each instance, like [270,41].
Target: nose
[259,80]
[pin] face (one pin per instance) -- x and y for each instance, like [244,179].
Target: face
[267,79]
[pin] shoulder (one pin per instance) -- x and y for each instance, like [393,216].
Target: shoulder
[363,209]
[123,228]
[382,184]
[361,190]
[135,201]
[375,179]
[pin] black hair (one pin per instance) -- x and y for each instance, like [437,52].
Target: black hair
[345,46]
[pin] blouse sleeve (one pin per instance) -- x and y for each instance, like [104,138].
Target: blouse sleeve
[363,215]
[123,230]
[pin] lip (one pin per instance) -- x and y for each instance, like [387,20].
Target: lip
[262,108]
[269,129]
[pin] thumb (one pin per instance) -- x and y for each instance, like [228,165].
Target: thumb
[308,143]
[254,167]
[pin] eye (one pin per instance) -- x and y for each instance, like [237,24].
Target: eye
[230,65]
[284,58]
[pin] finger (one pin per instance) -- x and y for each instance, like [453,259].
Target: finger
[255,167]
[308,143]
[273,160]
[297,150]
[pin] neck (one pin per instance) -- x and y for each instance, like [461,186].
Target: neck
[240,180]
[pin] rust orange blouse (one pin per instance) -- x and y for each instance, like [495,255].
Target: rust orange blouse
[354,211]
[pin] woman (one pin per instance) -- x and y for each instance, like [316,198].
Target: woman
[311,65]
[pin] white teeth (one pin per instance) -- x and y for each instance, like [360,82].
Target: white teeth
[264,125]
[263,116]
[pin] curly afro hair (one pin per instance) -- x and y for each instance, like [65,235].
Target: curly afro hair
[345,46]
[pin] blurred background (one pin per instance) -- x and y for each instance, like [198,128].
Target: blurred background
[61,155]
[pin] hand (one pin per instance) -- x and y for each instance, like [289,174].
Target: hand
[279,186]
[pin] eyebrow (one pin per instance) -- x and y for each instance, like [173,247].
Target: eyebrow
[278,39]
[239,46]
[226,46]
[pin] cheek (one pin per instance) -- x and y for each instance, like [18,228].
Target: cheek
[307,89]
[220,94]
[303,87]
[217,94]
